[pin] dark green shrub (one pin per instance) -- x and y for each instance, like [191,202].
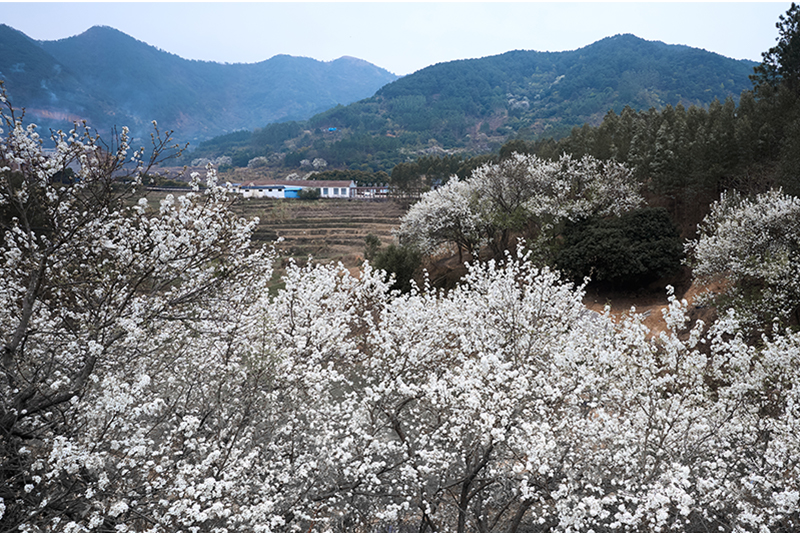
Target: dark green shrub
[309,193]
[629,251]
[372,246]
[402,261]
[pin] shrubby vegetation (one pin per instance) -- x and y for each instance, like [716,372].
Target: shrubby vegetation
[401,263]
[628,251]
[309,194]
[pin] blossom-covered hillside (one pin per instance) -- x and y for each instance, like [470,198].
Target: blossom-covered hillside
[151,383]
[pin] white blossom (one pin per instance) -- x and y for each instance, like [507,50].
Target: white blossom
[151,382]
[750,247]
[522,195]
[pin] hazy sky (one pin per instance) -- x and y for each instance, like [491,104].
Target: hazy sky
[403,36]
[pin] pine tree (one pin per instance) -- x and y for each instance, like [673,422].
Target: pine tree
[781,63]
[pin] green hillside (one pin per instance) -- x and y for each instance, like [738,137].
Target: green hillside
[544,92]
[474,106]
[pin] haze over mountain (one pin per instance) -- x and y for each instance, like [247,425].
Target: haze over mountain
[111,79]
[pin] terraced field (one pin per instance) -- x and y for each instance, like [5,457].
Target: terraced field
[327,230]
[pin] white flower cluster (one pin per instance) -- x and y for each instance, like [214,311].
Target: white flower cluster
[521,194]
[445,215]
[752,247]
[258,162]
[216,162]
[151,383]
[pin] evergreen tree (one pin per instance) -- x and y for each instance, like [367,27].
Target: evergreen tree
[781,63]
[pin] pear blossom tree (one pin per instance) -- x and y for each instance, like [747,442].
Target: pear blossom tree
[752,247]
[126,390]
[525,192]
[521,195]
[447,215]
[505,406]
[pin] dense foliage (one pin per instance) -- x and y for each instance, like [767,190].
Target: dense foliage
[543,90]
[780,65]
[401,263]
[628,251]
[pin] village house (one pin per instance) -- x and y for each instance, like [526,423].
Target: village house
[292,188]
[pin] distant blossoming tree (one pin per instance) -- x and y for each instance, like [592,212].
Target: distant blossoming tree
[752,245]
[448,214]
[520,195]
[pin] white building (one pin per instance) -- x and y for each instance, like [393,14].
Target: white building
[291,189]
[260,191]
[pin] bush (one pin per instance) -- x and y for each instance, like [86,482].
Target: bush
[402,261]
[372,246]
[309,194]
[630,250]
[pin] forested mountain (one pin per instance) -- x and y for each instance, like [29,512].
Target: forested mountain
[475,105]
[110,78]
[538,92]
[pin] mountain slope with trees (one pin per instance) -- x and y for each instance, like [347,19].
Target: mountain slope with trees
[476,105]
[539,91]
[110,78]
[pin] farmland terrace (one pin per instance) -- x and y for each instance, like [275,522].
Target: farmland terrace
[327,229]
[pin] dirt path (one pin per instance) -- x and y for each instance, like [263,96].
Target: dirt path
[651,306]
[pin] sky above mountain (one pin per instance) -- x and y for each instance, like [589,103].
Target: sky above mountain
[402,36]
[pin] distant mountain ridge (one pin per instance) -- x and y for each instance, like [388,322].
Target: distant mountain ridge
[111,79]
[532,92]
[473,106]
